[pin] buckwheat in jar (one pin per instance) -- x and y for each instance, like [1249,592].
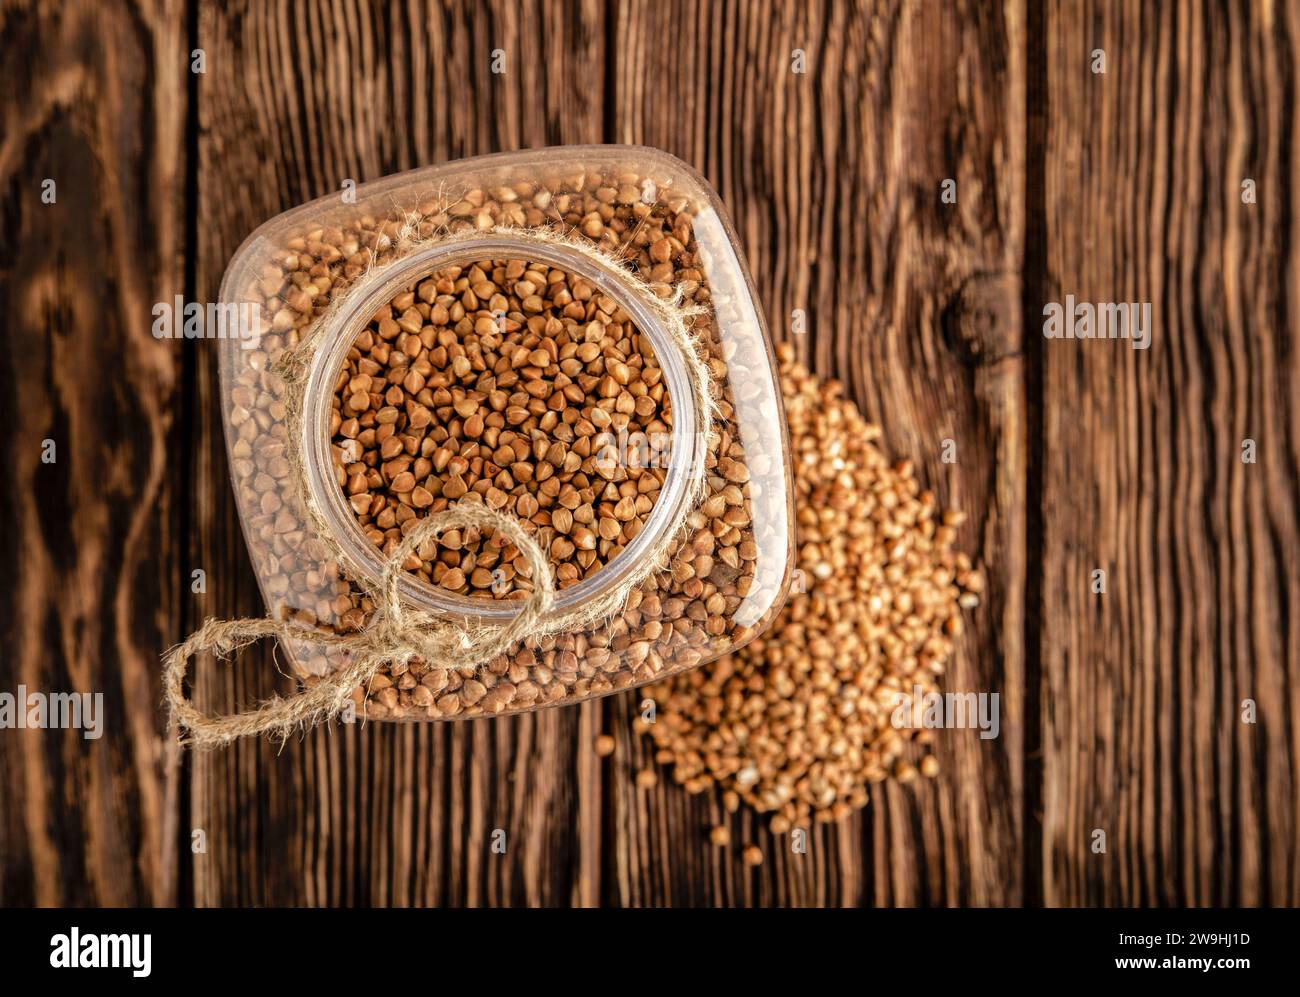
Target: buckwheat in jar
[510,429]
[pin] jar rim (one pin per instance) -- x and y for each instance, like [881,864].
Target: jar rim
[365,560]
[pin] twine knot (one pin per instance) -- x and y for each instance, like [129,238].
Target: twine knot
[395,634]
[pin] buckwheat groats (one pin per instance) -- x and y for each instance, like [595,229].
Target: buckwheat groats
[797,724]
[531,424]
[492,331]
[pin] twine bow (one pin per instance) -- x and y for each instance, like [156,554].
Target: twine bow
[394,635]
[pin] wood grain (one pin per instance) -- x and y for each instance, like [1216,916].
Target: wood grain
[380,815]
[1142,470]
[1119,712]
[833,177]
[90,551]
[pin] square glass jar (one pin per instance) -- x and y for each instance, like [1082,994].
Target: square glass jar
[569,335]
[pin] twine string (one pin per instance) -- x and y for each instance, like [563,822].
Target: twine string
[394,635]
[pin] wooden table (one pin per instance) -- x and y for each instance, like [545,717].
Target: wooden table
[1121,711]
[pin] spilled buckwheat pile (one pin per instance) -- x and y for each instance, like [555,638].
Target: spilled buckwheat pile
[798,723]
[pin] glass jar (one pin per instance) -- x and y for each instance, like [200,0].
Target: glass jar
[566,335]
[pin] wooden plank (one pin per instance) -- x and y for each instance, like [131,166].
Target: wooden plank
[384,814]
[833,179]
[1142,458]
[95,101]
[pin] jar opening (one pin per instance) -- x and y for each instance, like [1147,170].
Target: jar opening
[687,443]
